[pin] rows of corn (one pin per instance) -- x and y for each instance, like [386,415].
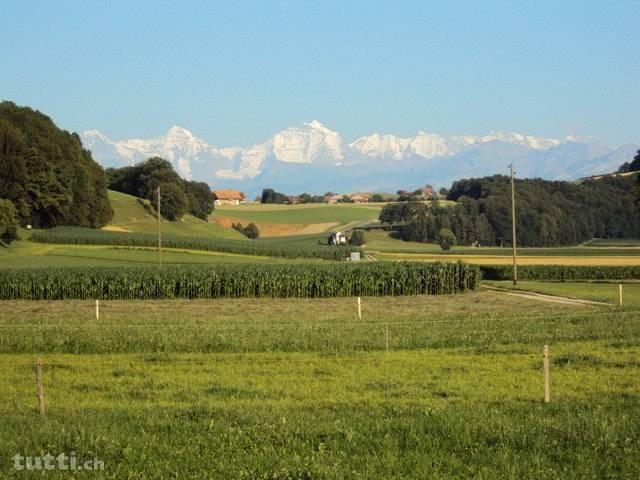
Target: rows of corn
[88,236]
[285,281]
[561,272]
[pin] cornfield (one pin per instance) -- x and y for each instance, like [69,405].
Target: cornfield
[87,236]
[561,272]
[285,281]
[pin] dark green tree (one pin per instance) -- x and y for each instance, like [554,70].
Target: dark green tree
[357,238]
[8,221]
[446,239]
[174,201]
[47,174]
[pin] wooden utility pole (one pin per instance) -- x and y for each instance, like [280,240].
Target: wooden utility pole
[39,387]
[159,231]
[513,224]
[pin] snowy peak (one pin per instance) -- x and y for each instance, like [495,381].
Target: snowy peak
[382,159]
[313,142]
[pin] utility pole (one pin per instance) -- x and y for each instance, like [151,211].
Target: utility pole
[159,231]
[513,224]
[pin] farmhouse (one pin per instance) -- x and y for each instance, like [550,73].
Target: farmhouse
[359,198]
[333,199]
[337,238]
[229,197]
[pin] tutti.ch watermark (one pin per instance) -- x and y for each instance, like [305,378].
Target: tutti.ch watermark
[61,461]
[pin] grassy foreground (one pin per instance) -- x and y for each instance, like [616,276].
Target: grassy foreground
[289,389]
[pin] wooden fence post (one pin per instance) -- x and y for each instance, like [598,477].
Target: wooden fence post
[359,309]
[386,336]
[620,294]
[545,363]
[39,386]
[97,309]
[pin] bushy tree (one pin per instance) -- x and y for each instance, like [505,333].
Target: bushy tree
[271,196]
[446,239]
[201,202]
[8,221]
[357,238]
[632,166]
[250,231]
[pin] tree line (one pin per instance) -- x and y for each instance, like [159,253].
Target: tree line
[548,213]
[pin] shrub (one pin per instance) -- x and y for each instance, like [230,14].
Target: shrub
[357,238]
[446,239]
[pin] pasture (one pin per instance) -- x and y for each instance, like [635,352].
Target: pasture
[421,387]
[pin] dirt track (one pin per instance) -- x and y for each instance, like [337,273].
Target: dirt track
[546,298]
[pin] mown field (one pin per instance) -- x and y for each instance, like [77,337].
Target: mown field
[269,388]
[284,220]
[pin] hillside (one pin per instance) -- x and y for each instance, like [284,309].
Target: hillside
[132,214]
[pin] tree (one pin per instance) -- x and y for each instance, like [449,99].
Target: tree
[269,195]
[47,174]
[174,201]
[251,231]
[357,238]
[201,202]
[376,197]
[446,239]
[632,166]
[8,221]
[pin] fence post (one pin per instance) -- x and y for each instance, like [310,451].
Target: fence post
[359,309]
[545,363]
[620,294]
[97,309]
[386,336]
[39,387]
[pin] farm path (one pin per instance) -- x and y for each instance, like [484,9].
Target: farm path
[546,298]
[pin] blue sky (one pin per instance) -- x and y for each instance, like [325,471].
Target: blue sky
[236,72]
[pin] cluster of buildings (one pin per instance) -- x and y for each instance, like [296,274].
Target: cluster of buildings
[235,197]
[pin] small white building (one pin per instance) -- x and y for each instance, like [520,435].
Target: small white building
[337,238]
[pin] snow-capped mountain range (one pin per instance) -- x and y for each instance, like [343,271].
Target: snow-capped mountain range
[315,159]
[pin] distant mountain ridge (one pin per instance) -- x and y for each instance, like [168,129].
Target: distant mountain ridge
[313,158]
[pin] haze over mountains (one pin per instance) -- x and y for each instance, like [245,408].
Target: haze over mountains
[312,158]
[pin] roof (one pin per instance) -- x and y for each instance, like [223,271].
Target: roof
[228,195]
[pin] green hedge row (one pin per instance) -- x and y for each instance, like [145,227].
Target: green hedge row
[87,236]
[560,272]
[296,281]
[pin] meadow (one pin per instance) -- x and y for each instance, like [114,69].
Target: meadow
[421,387]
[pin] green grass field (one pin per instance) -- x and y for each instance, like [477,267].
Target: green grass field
[24,254]
[382,241]
[597,291]
[303,389]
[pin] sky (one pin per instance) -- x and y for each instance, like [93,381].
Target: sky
[236,72]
